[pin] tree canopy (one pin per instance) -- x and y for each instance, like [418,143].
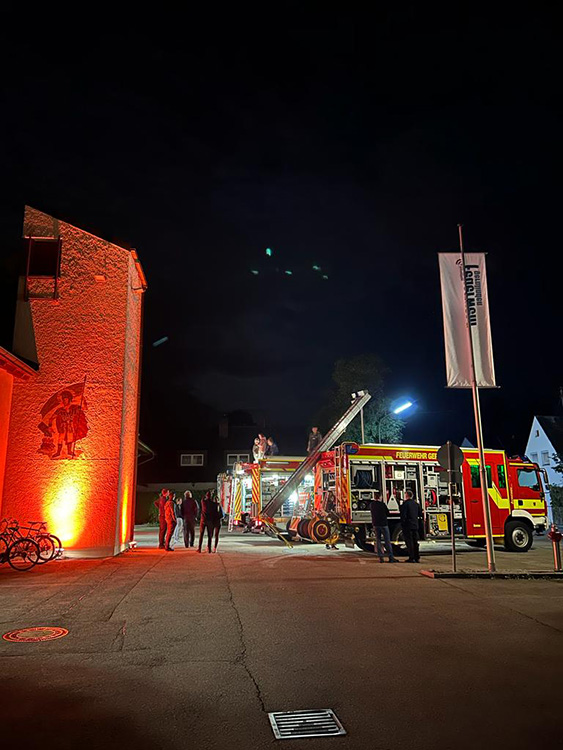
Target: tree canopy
[363,372]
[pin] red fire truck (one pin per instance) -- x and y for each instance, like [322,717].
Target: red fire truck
[332,501]
[353,473]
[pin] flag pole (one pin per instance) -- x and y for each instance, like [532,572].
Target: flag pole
[478,424]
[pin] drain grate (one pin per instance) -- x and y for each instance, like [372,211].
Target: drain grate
[322,722]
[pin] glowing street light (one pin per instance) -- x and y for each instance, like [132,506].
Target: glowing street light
[402,407]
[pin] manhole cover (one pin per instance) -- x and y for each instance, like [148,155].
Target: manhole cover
[288,725]
[32,635]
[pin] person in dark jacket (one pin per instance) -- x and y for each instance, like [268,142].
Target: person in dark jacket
[159,503]
[211,516]
[315,438]
[271,448]
[190,511]
[410,514]
[379,513]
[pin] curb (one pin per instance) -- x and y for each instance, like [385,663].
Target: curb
[534,575]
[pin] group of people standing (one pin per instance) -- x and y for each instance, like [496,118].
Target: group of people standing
[263,447]
[177,517]
[411,513]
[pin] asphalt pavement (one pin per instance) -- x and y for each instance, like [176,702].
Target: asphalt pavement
[181,650]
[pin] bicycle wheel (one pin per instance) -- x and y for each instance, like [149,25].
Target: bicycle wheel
[58,545]
[47,548]
[23,554]
[3,546]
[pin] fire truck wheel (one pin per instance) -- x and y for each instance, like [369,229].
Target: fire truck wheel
[361,541]
[518,536]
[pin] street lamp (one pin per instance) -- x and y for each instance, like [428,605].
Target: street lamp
[399,406]
[402,407]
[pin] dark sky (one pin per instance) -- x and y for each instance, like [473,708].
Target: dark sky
[353,142]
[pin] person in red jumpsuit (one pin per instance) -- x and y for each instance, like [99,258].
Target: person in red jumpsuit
[160,503]
[170,519]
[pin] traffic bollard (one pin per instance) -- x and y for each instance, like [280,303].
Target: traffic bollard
[555,535]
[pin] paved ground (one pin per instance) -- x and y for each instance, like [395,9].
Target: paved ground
[180,650]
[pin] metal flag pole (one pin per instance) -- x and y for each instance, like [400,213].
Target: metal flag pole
[452,505]
[478,425]
[362,420]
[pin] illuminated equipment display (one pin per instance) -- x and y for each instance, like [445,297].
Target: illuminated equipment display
[72,442]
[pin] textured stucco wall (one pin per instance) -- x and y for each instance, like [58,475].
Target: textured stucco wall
[83,334]
[131,363]
[6,386]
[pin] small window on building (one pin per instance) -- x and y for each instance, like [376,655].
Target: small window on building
[528,478]
[537,433]
[501,474]
[534,457]
[545,458]
[237,458]
[191,459]
[44,257]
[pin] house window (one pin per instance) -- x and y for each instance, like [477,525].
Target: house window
[44,257]
[191,459]
[545,458]
[537,433]
[237,458]
[534,457]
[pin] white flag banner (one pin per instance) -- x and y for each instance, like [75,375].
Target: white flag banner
[458,352]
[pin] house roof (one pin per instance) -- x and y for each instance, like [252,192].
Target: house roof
[14,365]
[553,428]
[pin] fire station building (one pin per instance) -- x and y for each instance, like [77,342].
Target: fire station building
[69,388]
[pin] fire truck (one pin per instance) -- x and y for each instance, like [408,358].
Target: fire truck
[326,496]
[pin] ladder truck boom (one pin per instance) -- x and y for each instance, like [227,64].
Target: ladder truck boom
[307,465]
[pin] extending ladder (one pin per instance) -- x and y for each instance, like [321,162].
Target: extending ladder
[308,464]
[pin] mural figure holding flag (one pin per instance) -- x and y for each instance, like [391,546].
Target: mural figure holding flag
[63,416]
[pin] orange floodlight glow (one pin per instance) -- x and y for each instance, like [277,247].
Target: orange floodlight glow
[125,515]
[64,510]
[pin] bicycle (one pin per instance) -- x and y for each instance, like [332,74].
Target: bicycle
[38,531]
[20,553]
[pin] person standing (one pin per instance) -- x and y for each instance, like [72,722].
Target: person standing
[263,444]
[271,448]
[170,520]
[179,520]
[211,515]
[314,441]
[379,513]
[160,503]
[256,450]
[410,515]
[190,510]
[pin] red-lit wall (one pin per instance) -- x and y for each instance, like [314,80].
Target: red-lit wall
[6,387]
[92,334]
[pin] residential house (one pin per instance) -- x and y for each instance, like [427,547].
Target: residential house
[546,439]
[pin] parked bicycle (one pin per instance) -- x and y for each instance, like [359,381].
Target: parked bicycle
[21,553]
[12,532]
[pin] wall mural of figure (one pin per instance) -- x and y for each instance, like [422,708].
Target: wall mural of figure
[63,422]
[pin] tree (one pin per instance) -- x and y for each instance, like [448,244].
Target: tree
[366,371]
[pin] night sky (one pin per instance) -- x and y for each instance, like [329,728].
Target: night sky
[350,142]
